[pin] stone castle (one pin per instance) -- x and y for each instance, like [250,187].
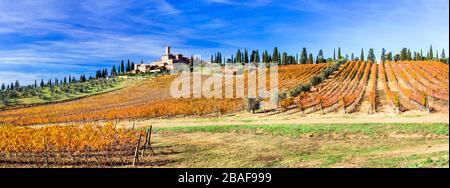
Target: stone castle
[166,62]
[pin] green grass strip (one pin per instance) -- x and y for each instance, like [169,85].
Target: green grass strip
[439,129]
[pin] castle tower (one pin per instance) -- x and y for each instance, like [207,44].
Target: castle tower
[167,50]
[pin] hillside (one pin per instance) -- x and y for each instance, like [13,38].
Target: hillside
[145,99]
[357,87]
[363,87]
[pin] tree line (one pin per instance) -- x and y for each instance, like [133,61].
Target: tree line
[283,58]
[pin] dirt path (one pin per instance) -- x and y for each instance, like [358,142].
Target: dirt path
[383,103]
[244,118]
[364,107]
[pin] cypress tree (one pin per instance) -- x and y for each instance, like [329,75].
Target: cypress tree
[122,68]
[443,54]
[279,57]
[310,59]
[362,55]
[284,59]
[383,55]
[217,58]
[430,53]
[3,87]
[246,60]
[17,84]
[334,54]
[113,71]
[404,54]
[238,56]
[265,57]
[371,56]
[128,66]
[252,56]
[320,58]
[409,54]
[275,57]
[339,53]
[303,56]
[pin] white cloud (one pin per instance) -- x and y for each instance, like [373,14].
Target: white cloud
[249,3]
[79,34]
[229,2]
[166,7]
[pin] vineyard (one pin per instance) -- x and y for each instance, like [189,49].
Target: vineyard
[87,145]
[146,99]
[355,87]
[352,87]
[408,85]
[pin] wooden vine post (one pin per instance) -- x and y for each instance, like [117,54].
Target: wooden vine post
[427,103]
[136,151]
[319,98]
[45,151]
[147,142]
[342,101]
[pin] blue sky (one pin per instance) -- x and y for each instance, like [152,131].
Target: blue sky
[53,38]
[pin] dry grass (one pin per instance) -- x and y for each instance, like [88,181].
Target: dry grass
[260,149]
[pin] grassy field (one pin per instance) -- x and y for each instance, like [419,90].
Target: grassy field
[314,145]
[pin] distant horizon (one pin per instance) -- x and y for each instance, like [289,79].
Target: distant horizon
[50,38]
[91,71]
[206,59]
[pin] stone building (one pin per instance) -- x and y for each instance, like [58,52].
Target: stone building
[166,62]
